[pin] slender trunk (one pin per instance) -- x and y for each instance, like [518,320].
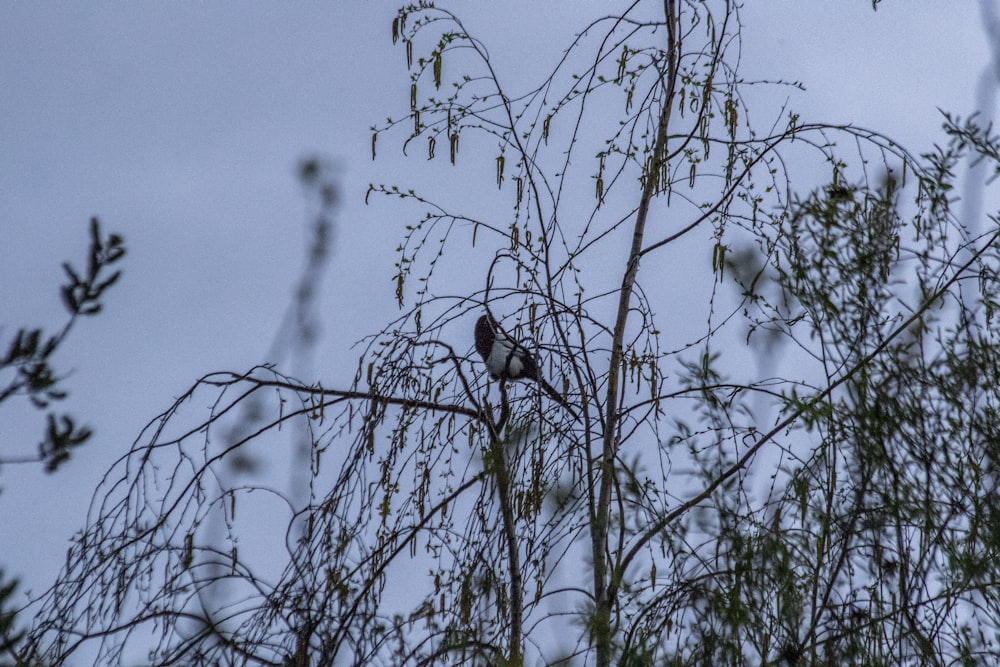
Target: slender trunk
[601,623]
[502,477]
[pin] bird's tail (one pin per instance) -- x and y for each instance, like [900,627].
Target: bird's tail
[557,397]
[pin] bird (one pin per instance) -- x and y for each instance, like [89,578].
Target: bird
[506,359]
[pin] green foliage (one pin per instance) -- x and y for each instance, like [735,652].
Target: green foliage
[29,360]
[30,351]
[10,636]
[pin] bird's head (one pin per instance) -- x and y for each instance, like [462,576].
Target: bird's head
[485,335]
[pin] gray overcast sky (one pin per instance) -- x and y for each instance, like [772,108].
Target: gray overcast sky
[180,124]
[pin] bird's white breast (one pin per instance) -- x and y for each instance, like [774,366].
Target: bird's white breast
[503,359]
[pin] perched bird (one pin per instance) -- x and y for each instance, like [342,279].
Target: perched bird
[506,359]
